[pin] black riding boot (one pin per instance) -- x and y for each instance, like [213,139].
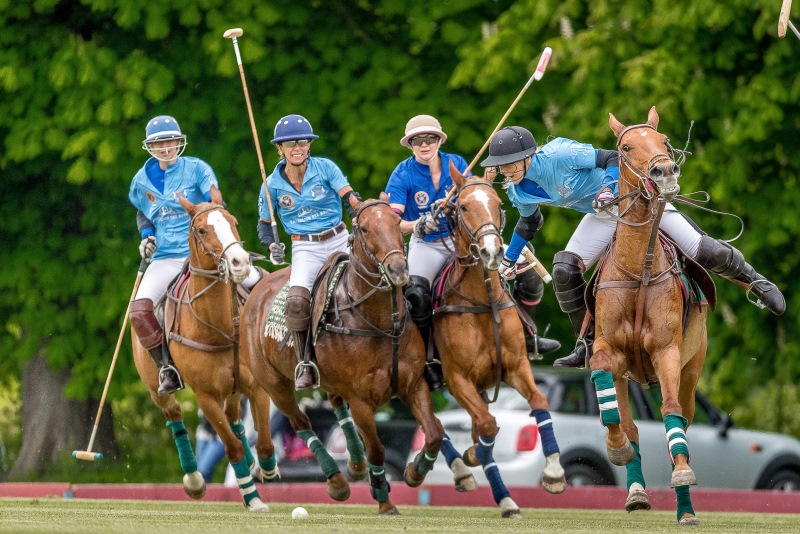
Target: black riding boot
[728,262]
[570,286]
[298,315]
[420,307]
[169,379]
[528,291]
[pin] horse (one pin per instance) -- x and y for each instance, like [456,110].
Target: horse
[479,335]
[641,332]
[202,326]
[367,351]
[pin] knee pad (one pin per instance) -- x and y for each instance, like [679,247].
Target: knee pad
[528,287]
[568,281]
[145,324]
[720,257]
[420,301]
[298,308]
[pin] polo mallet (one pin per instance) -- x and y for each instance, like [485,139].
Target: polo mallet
[88,454]
[783,20]
[535,264]
[232,34]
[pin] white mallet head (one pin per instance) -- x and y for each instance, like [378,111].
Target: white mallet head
[299,513]
[540,68]
[233,32]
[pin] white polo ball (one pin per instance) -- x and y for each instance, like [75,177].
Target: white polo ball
[299,513]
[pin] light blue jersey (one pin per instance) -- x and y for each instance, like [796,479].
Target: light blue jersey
[192,178]
[411,185]
[316,209]
[567,171]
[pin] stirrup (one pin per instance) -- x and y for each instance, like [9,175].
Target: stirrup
[298,370]
[162,371]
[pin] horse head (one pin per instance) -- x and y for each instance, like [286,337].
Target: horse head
[479,220]
[377,241]
[214,240]
[647,155]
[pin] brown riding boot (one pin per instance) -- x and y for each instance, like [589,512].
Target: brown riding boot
[151,336]
[298,315]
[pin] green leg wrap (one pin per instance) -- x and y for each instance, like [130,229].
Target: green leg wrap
[606,397]
[634,468]
[378,485]
[238,429]
[324,459]
[269,468]
[684,501]
[423,462]
[354,445]
[185,452]
[247,487]
[676,437]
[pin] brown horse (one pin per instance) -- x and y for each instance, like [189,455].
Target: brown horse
[481,342]
[367,351]
[203,324]
[640,330]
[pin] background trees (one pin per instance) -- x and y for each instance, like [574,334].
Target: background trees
[80,79]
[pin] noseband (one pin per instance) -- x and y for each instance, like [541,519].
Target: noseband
[380,264]
[222,272]
[647,188]
[482,230]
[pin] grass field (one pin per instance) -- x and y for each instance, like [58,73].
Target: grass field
[145,517]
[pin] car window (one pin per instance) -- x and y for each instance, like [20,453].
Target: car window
[701,415]
[573,398]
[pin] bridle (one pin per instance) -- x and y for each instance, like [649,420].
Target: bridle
[383,281]
[487,228]
[221,273]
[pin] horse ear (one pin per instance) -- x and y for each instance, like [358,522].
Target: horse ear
[652,117]
[383,196]
[616,126]
[216,195]
[458,178]
[187,205]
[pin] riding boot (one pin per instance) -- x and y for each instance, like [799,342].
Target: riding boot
[420,307]
[528,291]
[570,287]
[151,336]
[298,315]
[725,260]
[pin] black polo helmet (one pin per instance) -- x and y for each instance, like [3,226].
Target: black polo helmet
[512,143]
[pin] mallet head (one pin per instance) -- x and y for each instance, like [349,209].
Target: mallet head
[86,455]
[233,32]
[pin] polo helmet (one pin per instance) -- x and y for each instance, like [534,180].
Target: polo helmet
[509,145]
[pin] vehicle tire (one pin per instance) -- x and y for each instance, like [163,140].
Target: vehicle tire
[578,474]
[784,480]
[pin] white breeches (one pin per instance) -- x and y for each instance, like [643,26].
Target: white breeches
[595,231]
[308,257]
[160,273]
[426,258]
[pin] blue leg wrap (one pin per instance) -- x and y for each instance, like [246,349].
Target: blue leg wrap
[185,453]
[450,452]
[485,457]
[378,485]
[545,422]
[238,430]
[634,468]
[247,487]
[676,437]
[606,397]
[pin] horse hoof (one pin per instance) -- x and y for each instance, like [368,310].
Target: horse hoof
[464,481]
[338,488]
[621,456]
[685,477]
[194,485]
[256,505]
[469,458]
[387,508]
[688,520]
[411,477]
[509,509]
[637,500]
[357,470]
[554,485]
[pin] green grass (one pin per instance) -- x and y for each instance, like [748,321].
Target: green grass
[137,517]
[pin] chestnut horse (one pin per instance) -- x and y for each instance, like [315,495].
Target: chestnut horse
[367,352]
[481,342]
[202,321]
[640,330]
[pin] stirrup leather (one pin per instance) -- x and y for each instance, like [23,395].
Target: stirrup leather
[298,370]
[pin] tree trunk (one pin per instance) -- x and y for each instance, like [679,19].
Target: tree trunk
[54,426]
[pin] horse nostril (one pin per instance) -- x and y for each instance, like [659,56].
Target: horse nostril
[676,171]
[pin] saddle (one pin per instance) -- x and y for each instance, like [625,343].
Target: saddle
[327,278]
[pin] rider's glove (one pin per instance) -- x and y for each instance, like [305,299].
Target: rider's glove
[508,268]
[147,247]
[444,210]
[424,225]
[604,197]
[277,253]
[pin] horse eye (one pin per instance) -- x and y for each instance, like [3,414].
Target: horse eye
[626,148]
[201,231]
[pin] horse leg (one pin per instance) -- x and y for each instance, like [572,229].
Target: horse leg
[421,406]
[357,463]
[233,413]
[486,427]
[637,496]
[259,404]
[462,476]
[521,379]
[618,447]
[364,414]
[234,450]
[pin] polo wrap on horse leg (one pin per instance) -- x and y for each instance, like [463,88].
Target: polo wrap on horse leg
[545,423]
[326,462]
[354,445]
[484,454]
[298,316]
[449,451]
[420,307]
[606,397]
[238,430]
[247,486]
[728,262]
[528,291]
[184,445]
[634,469]
[378,485]
[570,288]
[676,436]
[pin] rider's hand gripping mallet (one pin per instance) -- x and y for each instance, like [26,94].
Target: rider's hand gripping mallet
[88,454]
[232,34]
[536,265]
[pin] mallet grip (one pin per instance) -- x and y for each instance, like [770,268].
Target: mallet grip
[536,265]
[86,455]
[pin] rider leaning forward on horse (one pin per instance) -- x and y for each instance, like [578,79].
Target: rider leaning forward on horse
[416,187]
[565,173]
[305,193]
[164,230]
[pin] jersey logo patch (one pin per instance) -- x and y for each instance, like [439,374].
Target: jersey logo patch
[151,197]
[318,191]
[287,201]
[421,198]
[564,190]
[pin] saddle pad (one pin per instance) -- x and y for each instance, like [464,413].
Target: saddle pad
[329,276]
[276,317]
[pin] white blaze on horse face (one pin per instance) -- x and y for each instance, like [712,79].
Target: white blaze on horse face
[489,243]
[237,257]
